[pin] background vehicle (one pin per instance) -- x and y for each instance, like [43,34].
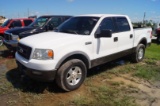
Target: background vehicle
[41,24]
[158,35]
[80,43]
[13,23]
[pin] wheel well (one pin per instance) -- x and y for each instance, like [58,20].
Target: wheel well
[143,41]
[77,56]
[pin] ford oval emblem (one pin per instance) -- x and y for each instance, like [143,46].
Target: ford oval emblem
[20,50]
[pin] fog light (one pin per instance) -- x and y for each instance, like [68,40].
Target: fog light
[37,73]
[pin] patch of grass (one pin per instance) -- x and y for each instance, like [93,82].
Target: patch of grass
[147,72]
[11,102]
[116,83]
[150,61]
[153,52]
[127,68]
[131,86]
[102,96]
[80,100]
[2,47]
[106,96]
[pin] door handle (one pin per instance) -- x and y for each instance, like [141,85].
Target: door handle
[131,35]
[115,39]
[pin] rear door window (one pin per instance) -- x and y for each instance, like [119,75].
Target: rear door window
[27,22]
[122,24]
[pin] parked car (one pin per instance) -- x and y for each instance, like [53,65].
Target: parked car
[41,24]
[80,43]
[13,23]
[158,35]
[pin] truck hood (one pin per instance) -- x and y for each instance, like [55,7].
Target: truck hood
[2,29]
[17,31]
[51,39]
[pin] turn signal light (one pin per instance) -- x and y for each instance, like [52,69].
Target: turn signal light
[50,53]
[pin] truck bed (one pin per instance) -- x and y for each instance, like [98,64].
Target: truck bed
[146,32]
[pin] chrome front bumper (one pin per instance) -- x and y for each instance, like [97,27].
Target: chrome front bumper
[11,44]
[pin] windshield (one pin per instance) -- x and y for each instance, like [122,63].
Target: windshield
[78,25]
[39,22]
[5,23]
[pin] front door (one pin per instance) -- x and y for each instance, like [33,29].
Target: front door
[106,46]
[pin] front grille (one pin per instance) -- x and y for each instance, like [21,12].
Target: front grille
[7,36]
[24,51]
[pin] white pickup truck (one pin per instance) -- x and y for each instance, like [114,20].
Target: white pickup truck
[79,44]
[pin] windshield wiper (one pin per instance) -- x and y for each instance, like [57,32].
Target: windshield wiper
[69,31]
[72,31]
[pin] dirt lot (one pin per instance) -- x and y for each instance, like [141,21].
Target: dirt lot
[119,83]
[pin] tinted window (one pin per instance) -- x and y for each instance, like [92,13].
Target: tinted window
[16,23]
[55,22]
[6,23]
[39,22]
[107,23]
[27,22]
[122,24]
[65,18]
[78,25]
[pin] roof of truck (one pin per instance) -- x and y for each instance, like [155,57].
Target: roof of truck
[101,15]
[48,16]
[20,18]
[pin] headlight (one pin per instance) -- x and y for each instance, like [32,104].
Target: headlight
[15,37]
[43,54]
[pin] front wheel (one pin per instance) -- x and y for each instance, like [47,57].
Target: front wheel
[139,53]
[1,40]
[71,75]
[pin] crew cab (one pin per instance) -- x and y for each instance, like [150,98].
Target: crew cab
[41,24]
[80,43]
[13,23]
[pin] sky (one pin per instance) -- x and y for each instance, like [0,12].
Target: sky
[135,9]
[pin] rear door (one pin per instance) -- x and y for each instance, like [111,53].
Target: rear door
[125,34]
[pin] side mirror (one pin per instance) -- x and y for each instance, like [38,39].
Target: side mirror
[49,27]
[104,33]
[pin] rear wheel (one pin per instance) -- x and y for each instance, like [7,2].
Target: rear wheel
[1,40]
[71,75]
[139,53]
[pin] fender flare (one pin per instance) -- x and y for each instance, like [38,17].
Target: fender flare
[143,41]
[72,54]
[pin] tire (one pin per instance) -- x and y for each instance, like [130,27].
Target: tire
[71,75]
[1,40]
[139,53]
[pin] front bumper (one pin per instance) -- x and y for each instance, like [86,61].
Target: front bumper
[11,44]
[37,74]
[36,69]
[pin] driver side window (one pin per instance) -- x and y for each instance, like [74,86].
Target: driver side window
[16,23]
[55,22]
